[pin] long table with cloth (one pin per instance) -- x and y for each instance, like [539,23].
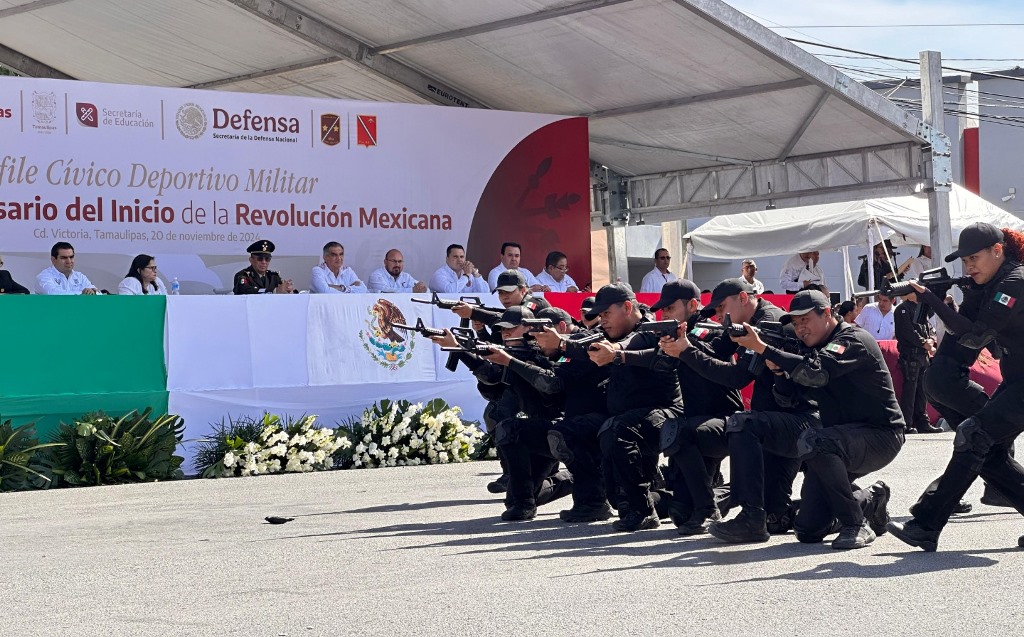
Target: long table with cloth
[207,358]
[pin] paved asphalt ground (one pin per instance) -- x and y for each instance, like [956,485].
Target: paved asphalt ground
[421,551]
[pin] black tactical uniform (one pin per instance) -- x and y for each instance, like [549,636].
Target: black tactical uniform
[862,430]
[533,478]
[911,341]
[761,442]
[572,439]
[982,442]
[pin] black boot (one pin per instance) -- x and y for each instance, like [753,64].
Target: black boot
[854,537]
[587,512]
[915,535]
[925,427]
[878,514]
[520,512]
[992,497]
[699,522]
[749,526]
[637,521]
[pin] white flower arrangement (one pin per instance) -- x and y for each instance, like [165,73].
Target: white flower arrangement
[294,446]
[400,433]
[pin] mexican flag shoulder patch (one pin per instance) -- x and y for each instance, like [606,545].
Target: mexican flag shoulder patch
[700,332]
[835,348]
[1005,299]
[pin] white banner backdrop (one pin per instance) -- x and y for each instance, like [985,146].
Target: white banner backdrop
[119,170]
[304,354]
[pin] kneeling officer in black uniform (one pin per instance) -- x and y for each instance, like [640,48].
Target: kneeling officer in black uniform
[862,426]
[992,310]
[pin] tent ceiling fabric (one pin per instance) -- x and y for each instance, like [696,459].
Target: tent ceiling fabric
[751,91]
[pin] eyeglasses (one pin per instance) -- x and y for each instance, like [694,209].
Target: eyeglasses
[261,257]
[563,268]
[666,258]
[150,267]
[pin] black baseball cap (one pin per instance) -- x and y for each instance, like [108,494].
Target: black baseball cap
[975,238]
[803,302]
[556,314]
[513,317]
[510,281]
[608,296]
[587,304]
[680,289]
[722,291]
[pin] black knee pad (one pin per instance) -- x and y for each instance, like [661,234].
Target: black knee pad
[671,437]
[559,446]
[506,432]
[972,438]
[741,421]
[812,443]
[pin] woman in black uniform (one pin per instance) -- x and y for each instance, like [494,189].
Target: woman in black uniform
[993,309]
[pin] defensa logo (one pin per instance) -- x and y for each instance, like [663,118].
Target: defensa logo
[249,121]
[190,120]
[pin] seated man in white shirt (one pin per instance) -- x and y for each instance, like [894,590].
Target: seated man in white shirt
[801,272]
[660,275]
[878,319]
[332,277]
[391,277]
[555,277]
[511,255]
[61,278]
[920,263]
[457,275]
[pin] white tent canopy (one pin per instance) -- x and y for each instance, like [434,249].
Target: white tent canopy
[904,220]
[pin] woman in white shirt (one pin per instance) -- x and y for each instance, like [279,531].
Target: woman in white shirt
[555,277]
[141,278]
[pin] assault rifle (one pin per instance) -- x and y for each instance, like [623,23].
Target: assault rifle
[937,280]
[470,343]
[668,327]
[420,328]
[537,324]
[770,332]
[448,304]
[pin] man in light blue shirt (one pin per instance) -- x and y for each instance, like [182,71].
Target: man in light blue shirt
[457,275]
[61,278]
[392,278]
[332,277]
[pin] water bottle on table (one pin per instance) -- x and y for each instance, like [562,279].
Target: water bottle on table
[175,287]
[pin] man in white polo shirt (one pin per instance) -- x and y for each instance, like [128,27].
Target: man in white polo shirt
[61,277]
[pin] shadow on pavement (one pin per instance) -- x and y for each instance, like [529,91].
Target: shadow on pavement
[409,506]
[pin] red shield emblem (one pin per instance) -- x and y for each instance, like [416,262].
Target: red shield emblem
[366,130]
[330,129]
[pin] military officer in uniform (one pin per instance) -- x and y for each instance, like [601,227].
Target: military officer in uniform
[258,278]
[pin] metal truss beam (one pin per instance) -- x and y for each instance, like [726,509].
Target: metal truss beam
[29,7]
[795,139]
[325,36]
[746,91]
[841,176]
[301,66]
[29,67]
[497,25]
